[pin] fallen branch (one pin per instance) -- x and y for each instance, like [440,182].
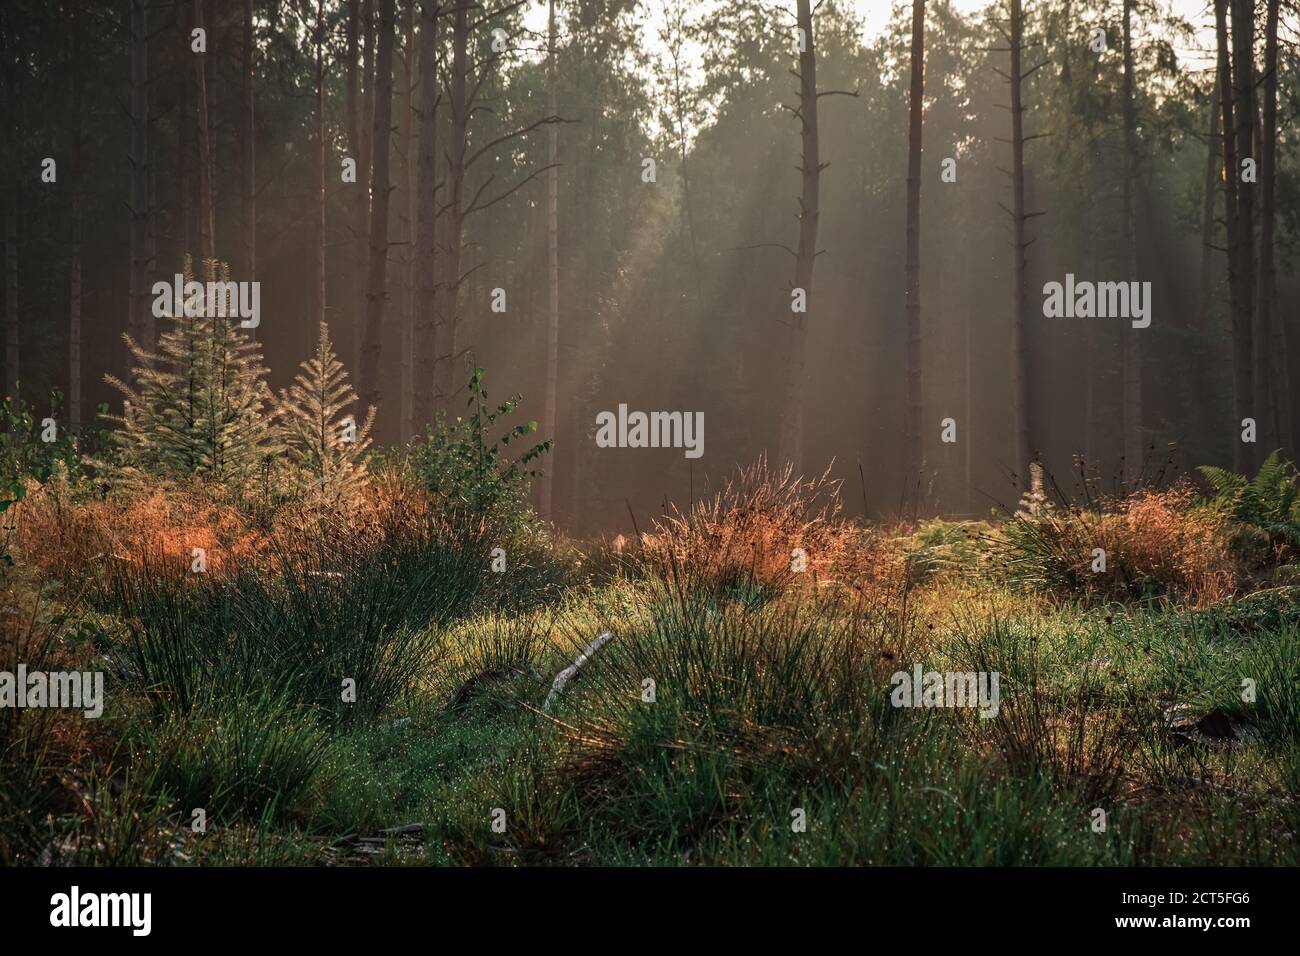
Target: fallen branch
[570,672]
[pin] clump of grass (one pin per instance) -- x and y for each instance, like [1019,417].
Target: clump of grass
[119,820]
[37,744]
[239,756]
[1062,716]
[739,695]
[343,609]
[743,538]
[1157,544]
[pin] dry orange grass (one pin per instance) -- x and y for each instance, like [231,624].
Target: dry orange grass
[63,538]
[1152,538]
[66,539]
[771,530]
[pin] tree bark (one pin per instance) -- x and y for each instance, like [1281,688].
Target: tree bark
[1242,352]
[138,236]
[1209,287]
[407,317]
[364,174]
[78,184]
[444,379]
[183,182]
[1243,65]
[13,196]
[318,284]
[792,411]
[377,273]
[426,304]
[207,225]
[1270,318]
[247,155]
[552,266]
[913,459]
[1131,353]
[1019,358]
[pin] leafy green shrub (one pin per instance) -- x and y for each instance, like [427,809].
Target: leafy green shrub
[1270,500]
[37,451]
[466,469]
[939,545]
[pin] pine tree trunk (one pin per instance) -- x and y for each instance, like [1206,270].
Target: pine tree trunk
[792,410]
[318,285]
[912,451]
[78,183]
[1243,65]
[1209,286]
[1132,357]
[138,236]
[207,225]
[1213,165]
[444,380]
[407,281]
[1019,358]
[183,181]
[12,342]
[364,175]
[9,183]
[426,304]
[1270,318]
[377,273]
[360,205]
[1242,353]
[552,266]
[247,155]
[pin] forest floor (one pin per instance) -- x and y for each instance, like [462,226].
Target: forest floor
[380,695]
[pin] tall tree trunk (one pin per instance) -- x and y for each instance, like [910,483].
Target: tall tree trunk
[318,284]
[78,184]
[1209,286]
[138,237]
[792,411]
[247,155]
[13,195]
[1019,358]
[1270,318]
[444,380]
[183,182]
[12,342]
[426,304]
[1243,65]
[360,205]
[552,264]
[1213,167]
[207,225]
[407,281]
[377,274]
[13,70]
[364,175]
[1243,385]
[913,462]
[1131,357]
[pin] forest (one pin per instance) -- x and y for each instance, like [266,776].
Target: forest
[625,432]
